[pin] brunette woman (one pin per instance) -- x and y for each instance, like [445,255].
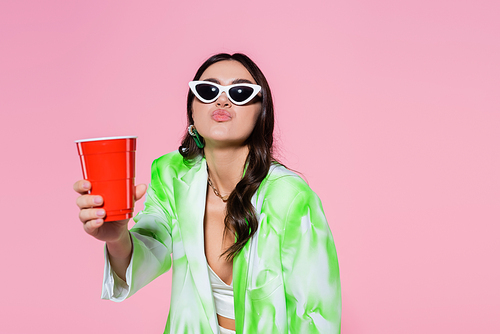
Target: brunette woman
[247,239]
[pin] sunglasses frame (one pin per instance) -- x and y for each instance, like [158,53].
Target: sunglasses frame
[224,89]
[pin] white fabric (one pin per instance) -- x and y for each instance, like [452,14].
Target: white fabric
[223,330]
[223,295]
[113,285]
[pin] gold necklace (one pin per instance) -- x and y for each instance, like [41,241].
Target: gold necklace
[216,192]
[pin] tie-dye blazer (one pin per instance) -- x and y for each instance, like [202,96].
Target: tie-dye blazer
[286,278]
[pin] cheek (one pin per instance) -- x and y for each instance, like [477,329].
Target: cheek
[197,110]
[250,121]
[256,114]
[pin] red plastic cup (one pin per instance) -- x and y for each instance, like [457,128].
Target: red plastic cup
[109,165]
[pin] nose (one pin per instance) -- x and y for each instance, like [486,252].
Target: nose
[223,101]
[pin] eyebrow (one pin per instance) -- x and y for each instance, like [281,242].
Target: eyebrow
[236,81]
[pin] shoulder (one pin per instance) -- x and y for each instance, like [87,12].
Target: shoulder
[292,206]
[172,159]
[284,191]
[173,164]
[281,181]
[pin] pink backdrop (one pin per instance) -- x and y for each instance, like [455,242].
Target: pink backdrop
[389,108]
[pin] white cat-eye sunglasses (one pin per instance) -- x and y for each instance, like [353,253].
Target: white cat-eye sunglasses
[239,94]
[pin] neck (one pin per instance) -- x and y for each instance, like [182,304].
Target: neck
[225,166]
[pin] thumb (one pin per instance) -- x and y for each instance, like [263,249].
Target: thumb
[140,190]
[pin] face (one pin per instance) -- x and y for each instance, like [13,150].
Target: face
[223,123]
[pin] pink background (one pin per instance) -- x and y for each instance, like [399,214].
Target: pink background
[389,108]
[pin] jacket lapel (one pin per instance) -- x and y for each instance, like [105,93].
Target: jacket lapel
[190,196]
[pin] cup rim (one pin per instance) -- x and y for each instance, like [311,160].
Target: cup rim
[103,138]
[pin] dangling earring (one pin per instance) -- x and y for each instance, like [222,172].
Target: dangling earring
[196,136]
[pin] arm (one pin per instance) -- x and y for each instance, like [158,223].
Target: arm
[120,253]
[310,268]
[114,233]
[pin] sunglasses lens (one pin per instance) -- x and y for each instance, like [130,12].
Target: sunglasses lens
[207,91]
[240,93]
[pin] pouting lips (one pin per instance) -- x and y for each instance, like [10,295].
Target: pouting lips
[221,115]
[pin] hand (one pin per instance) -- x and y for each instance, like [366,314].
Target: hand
[93,218]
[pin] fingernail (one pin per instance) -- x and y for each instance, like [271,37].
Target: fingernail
[97,200]
[100,212]
[86,185]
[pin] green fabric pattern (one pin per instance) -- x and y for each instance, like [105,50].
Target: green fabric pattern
[286,278]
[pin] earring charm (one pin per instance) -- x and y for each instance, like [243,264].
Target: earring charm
[196,136]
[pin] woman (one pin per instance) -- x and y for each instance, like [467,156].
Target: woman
[248,241]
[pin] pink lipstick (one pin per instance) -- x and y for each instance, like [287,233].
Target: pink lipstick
[221,115]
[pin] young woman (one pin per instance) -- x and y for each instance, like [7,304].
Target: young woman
[247,239]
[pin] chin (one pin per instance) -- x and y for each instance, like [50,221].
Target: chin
[225,142]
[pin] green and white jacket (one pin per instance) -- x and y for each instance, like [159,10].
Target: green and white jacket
[286,278]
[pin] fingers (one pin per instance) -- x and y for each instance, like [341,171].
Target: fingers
[82,186]
[87,215]
[89,201]
[140,190]
[92,226]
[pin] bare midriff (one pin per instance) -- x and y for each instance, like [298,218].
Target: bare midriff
[226,322]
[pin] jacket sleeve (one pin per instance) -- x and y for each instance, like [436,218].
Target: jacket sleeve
[151,242]
[310,268]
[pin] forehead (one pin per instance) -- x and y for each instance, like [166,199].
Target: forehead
[226,72]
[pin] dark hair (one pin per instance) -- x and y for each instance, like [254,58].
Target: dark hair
[240,216]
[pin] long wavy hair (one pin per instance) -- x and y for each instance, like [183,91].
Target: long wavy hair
[241,218]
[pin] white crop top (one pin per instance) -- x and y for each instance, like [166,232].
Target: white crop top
[223,295]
